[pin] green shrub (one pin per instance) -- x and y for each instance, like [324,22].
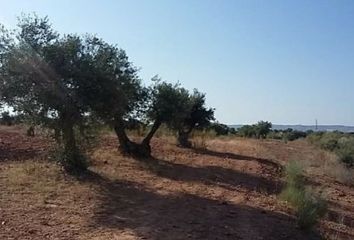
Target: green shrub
[309,206]
[314,138]
[278,135]
[340,143]
[258,130]
[220,129]
[294,175]
[247,131]
[345,151]
[346,155]
[329,144]
[294,135]
[329,141]
[6,119]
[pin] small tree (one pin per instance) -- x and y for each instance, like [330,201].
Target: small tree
[220,129]
[171,104]
[198,116]
[247,131]
[262,128]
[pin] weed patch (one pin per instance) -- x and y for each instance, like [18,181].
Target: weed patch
[308,205]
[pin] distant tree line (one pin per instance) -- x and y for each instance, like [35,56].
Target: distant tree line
[259,130]
[342,144]
[263,129]
[69,82]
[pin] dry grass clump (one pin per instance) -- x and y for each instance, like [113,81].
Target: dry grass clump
[308,205]
[36,176]
[200,139]
[341,144]
[334,168]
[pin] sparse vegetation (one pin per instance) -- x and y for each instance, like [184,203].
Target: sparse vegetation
[340,143]
[259,130]
[220,129]
[308,205]
[264,129]
[292,135]
[200,174]
[200,139]
[80,95]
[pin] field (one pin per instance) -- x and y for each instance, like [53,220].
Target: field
[227,191]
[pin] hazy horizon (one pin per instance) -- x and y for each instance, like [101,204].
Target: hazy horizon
[287,62]
[299,124]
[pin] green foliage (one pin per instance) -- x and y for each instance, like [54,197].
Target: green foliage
[220,129]
[198,117]
[39,70]
[7,119]
[329,141]
[59,82]
[74,162]
[247,131]
[310,209]
[345,150]
[340,143]
[314,138]
[259,130]
[275,134]
[309,206]
[286,135]
[111,88]
[294,135]
[294,175]
[262,128]
[169,103]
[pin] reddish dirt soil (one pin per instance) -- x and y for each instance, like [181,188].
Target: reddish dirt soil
[226,192]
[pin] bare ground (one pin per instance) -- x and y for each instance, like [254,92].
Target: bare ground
[228,191]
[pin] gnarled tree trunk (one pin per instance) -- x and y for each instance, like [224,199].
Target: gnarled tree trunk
[126,146]
[72,159]
[183,139]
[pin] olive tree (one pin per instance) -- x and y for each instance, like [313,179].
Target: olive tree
[262,128]
[112,90]
[38,70]
[117,96]
[170,104]
[197,115]
[62,80]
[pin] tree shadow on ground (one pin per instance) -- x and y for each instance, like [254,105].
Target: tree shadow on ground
[16,146]
[233,156]
[16,154]
[213,175]
[149,215]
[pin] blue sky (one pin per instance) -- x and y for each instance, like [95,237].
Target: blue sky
[288,62]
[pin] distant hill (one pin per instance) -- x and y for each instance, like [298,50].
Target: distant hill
[304,128]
